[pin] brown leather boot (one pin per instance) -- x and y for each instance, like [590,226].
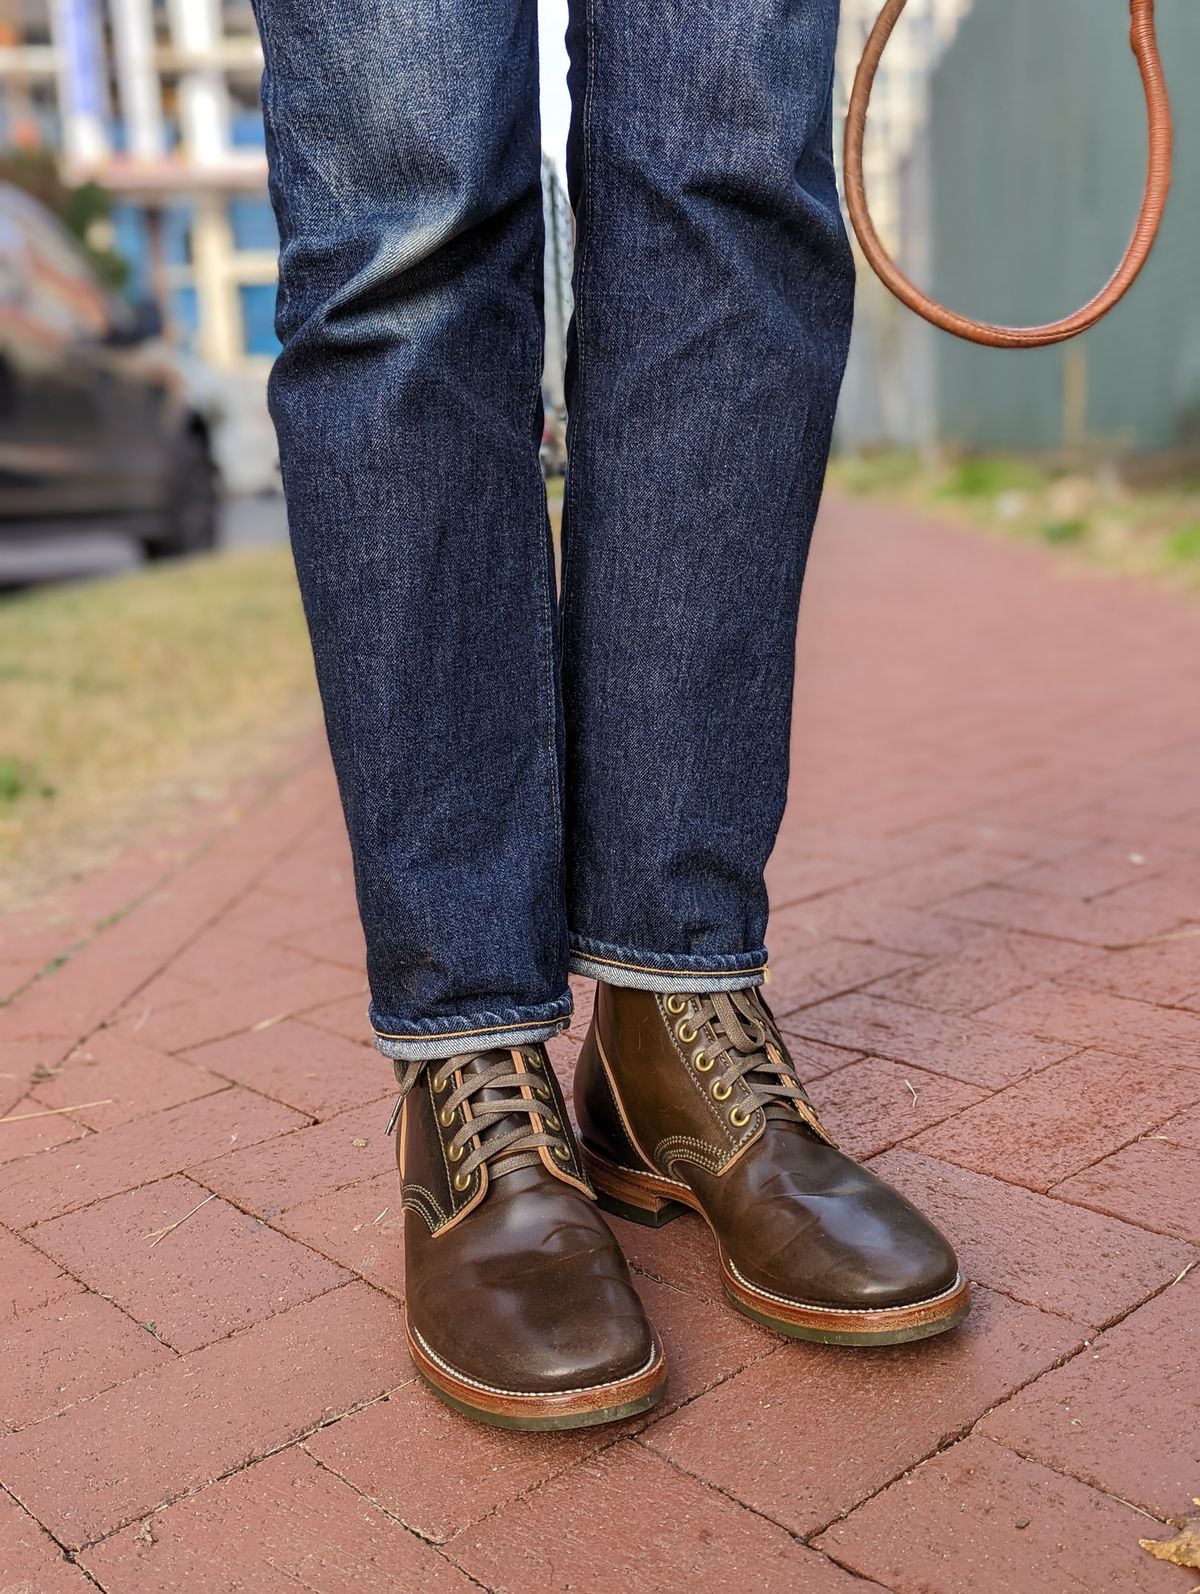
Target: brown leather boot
[519,1307]
[692,1101]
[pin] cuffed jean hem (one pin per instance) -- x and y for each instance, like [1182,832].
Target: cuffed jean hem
[432,1039]
[666,971]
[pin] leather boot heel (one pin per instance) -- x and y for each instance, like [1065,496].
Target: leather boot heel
[628,1194]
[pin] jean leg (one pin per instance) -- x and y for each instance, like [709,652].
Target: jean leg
[404,150]
[713,293]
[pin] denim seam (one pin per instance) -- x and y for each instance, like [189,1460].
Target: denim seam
[580,951]
[457,1034]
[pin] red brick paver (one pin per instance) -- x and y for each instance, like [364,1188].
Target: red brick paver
[986,956]
[979,1518]
[173,1254]
[281,1526]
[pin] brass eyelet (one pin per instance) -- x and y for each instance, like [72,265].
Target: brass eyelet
[721,1091]
[676,1004]
[542,1092]
[446,1117]
[686,1032]
[551,1123]
[462,1181]
[439,1083]
[532,1060]
[701,1063]
[738,1118]
[562,1153]
[455,1153]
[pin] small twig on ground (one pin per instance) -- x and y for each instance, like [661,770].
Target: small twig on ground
[265,1023]
[49,1112]
[161,1234]
[381,1216]
[912,1093]
[1181,1277]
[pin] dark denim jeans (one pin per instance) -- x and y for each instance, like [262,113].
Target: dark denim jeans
[529,786]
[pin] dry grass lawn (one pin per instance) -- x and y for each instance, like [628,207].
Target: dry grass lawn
[120,699]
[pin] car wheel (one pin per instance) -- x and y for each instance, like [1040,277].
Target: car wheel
[189,521]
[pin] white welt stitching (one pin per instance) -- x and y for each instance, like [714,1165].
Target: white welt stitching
[644,1173]
[534,1394]
[844,1311]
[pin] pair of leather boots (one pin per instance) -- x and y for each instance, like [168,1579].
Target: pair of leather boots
[520,1310]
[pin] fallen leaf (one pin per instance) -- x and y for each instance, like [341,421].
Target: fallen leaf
[1183,1549]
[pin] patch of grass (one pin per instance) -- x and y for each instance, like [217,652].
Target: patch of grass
[1141,530]
[1063,531]
[1184,545]
[989,476]
[18,779]
[875,473]
[124,697]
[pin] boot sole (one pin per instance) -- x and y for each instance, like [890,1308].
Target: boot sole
[641,1198]
[536,1413]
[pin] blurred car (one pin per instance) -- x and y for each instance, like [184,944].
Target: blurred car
[96,425]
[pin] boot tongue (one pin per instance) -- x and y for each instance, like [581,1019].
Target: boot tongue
[482,1063]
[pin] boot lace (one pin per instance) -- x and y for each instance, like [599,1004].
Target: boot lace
[499,1117]
[740,1042]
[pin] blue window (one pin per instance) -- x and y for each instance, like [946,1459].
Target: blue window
[185,313]
[258,318]
[246,130]
[177,235]
[129,240]
[253,224]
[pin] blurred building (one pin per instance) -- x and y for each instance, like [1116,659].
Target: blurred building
[878,391]
[900,98]
[158,101]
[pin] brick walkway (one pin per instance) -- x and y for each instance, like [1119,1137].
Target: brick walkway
[986,945]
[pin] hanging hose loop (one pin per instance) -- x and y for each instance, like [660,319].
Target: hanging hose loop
[1154,200]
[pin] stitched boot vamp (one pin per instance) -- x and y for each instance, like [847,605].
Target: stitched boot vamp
[530,1292]
[801,1220]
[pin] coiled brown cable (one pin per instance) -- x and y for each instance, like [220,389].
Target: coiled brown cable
[1158,182]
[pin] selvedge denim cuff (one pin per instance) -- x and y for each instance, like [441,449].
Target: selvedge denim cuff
[432,1039]
[666,971]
